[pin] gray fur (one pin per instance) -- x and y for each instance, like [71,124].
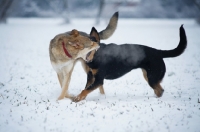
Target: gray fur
[110,29]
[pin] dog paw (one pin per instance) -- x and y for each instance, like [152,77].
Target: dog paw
[60,98]
[78,98]
[159,92]
[70,96]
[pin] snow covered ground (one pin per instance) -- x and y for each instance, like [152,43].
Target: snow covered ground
[29,86]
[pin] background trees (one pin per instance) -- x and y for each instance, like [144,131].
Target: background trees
[68,9]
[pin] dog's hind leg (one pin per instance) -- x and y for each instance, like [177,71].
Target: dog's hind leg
[157,87]
[101,89]
[154,75]
[145,74]
[158,90]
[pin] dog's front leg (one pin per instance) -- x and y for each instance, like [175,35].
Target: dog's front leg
[65,78]
[90,79]
[60,78]
[97,82]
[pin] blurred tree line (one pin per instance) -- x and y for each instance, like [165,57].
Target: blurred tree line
[99,8]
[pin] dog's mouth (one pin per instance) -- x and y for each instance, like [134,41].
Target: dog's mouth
[90,55]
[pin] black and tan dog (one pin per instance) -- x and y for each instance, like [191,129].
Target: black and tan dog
[113,61]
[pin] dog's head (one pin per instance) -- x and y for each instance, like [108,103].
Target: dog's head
[94,36]
[90,45]
[72,45]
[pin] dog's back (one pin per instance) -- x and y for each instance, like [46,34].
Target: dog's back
[117,60]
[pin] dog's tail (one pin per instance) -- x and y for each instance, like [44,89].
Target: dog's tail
[110,29]
[180,48]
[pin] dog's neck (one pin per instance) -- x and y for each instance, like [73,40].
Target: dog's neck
[65,50]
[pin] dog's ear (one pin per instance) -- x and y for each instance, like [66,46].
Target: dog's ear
[75,42]
[74,33]
[94,34]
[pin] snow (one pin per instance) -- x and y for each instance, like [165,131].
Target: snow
[29,86]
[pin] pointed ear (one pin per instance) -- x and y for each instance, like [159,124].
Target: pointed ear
[74,33]
[95,34]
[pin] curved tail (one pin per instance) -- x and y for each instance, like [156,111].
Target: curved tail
[180,48]
[110,29]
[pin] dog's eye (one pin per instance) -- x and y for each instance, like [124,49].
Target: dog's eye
[93,39]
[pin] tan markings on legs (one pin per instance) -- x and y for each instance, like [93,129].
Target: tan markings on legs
[101,89]
[94,71]
[83,95]
[89,82]
[145,74]
[158,90]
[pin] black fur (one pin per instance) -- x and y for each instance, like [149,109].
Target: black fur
[181,47]
[113,61]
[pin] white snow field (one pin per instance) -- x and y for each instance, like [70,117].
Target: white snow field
[29,86]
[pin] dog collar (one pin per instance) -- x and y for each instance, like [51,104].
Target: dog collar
[65,50]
